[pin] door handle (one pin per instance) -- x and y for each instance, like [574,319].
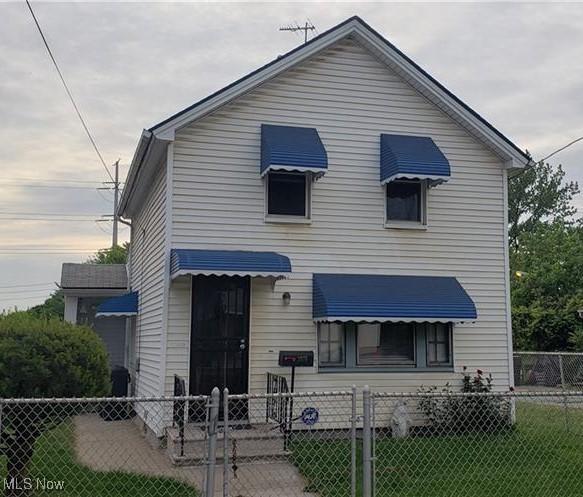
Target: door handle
[242,345]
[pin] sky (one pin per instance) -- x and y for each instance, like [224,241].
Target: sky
[130,65]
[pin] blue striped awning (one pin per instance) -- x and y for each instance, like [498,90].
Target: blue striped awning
[412,157]
[289,148]
[122,305]
[228,263]
[376,298]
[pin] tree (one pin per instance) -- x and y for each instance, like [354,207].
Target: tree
[549,291]
[118,254]
[539,194]
[53,307]
[545,251]
[43,358]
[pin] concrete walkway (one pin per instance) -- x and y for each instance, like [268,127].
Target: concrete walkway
[119,446]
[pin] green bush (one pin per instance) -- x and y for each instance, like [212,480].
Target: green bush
[454,414]
[43,358]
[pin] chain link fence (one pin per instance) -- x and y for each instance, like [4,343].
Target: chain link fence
[545,370]
[95,447]
[343,443]
[490,445]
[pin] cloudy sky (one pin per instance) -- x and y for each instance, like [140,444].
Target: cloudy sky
[130,65]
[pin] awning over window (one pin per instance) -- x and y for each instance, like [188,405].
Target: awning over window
[122,305]
[377,298]
[412,157]
[289,148]
[228,263]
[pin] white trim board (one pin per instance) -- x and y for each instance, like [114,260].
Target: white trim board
[218,272]
[369,319]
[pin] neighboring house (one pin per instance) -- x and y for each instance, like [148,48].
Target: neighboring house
[86,287]
[337,200]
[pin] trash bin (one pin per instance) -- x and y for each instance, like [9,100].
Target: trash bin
[115,411]
[120,377]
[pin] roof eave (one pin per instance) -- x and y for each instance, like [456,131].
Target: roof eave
[150,150]
[510,154]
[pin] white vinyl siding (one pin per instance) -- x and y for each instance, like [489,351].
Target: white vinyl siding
[147,254]
[351,98]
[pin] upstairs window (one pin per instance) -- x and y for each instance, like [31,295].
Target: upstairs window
[288,195]
[405,202]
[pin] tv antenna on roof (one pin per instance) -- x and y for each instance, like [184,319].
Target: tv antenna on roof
[295,28]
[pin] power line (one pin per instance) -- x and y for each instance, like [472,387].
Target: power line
[48,219]
[27,285]
[78,252]
[562,148]
[59,214]
[68,91]
[60,187]
[26,292]
[50,180]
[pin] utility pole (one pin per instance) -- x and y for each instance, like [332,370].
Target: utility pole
[115,202]
[115,184]
[308,26]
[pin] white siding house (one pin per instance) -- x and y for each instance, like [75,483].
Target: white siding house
[197,186]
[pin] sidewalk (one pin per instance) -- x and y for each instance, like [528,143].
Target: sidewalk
[119,446]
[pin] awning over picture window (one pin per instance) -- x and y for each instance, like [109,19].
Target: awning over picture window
[290,148]
[228,263]
[412,157]
[378,298]
[122,305]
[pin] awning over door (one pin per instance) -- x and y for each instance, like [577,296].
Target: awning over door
[228,263]
[378,298]
[290,148]
[412,157]
[122,305]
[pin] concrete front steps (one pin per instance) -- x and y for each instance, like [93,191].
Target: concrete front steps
[245,443]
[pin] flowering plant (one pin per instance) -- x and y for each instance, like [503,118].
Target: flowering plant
[451,412]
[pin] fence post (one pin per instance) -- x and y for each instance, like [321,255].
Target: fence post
[226,442]
[563,386]
[212,444]
[366,443]
[353,420]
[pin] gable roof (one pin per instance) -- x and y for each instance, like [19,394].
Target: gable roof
[94,276]
[357,29]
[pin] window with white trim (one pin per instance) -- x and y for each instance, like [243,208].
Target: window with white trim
[405,202]
[287,195]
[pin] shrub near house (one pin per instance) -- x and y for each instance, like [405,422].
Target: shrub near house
[452,414]
[43,358]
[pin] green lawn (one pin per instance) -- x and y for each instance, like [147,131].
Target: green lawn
[538,458]
[54,460]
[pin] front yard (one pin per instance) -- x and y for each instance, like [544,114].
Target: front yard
[54,462]
[539,457]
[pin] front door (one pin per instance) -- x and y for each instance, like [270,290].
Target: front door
[219,337]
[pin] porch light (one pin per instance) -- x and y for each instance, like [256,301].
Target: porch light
[286,298]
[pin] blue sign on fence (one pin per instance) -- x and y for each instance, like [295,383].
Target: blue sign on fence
[310,416]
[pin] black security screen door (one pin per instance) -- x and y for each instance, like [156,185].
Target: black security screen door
[219,337]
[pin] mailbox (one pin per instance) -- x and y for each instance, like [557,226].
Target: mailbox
[296,358]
